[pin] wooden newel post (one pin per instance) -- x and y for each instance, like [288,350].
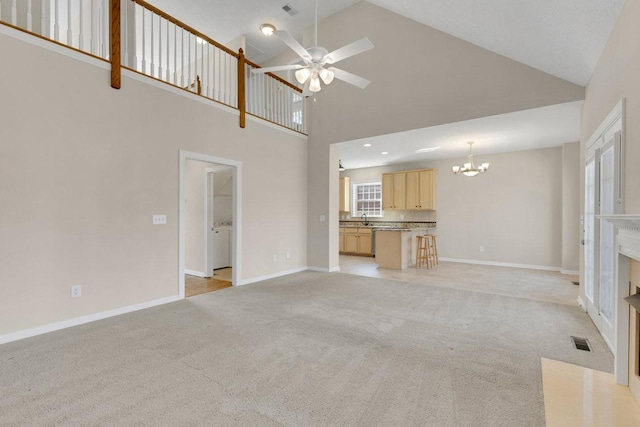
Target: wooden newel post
[114,18]
[241,95]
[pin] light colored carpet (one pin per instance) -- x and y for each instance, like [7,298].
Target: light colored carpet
[307,349]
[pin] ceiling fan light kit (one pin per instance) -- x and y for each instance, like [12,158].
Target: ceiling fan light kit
[316,58]
[469,168]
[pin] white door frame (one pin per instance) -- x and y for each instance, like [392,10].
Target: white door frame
[615,122]
[236,235]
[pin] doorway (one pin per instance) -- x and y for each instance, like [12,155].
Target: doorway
[203,217]
[603,196]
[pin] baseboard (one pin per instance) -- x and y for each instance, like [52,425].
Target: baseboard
[571,272]
[15,336]
[324,270]
[272,276]
[501,264]
[194,273]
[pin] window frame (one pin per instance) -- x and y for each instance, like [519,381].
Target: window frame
[354,199]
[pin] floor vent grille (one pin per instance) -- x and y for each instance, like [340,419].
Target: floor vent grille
[581,343]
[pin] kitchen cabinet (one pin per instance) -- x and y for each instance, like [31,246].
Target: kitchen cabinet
[345,194]
[341,240]
[393,190]
[421,189]
[357,240]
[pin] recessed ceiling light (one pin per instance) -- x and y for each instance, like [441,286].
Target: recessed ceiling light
[385,152]
[426,150]
[267,29]
[367,145]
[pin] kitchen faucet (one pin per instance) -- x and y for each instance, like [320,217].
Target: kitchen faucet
[365,222]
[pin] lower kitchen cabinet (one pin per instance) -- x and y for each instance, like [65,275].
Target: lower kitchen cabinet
[356,240]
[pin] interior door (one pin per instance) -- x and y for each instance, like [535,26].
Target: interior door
[590,239]
[609,191]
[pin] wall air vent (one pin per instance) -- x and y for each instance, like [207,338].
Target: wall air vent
[291,11]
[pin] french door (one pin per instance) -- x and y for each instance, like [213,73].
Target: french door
[602,197]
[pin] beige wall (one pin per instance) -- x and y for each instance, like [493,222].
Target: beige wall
[420,77]
[83,168]
[514,210]
[616,76]
[571,197]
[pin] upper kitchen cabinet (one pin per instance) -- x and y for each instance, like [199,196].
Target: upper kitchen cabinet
[421,189]
[345,193]
[393,190]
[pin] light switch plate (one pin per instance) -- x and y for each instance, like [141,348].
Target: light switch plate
[323,218]
[159,219]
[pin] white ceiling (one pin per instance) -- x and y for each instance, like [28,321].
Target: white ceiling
[561,37]
[523,130]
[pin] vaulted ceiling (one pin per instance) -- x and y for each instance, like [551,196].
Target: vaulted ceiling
[563,38]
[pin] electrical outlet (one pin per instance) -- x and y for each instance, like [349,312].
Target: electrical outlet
[288,255]
[323,218]
[76,291]
[159,219]
[481,248]
[275,258]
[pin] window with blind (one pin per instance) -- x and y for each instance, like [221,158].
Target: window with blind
[367,199]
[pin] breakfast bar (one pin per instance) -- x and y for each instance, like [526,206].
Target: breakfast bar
[396,248]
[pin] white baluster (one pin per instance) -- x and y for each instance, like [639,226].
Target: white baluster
[182,56]
[124,13]
[29,16]
[1,10]
[43,21]
[189,59]
[56,21]
[14,13]
[93,41]
[81,32]
[160,76]
[168,68]
[152,71]
[106,30]
[144,44]
[175,54]
[69,21]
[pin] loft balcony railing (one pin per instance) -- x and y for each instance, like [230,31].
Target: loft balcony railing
[139,37]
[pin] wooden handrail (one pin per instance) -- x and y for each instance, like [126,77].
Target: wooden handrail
[114,34]
[185,26]
[278,78]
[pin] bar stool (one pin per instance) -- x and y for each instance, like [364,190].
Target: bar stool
[432,250]
[422,251]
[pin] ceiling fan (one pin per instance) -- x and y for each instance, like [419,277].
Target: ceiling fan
[317,61]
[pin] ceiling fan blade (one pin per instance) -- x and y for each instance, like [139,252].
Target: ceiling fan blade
[293,44]
[349,78]
[362,45]
[276,68]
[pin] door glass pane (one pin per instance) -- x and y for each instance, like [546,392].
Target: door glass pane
[607,250]
[589,228]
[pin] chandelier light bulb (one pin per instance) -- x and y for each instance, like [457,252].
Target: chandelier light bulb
[302,75]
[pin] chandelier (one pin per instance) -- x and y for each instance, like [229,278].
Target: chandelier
[469,168]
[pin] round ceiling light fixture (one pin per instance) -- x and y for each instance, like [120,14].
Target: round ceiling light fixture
[267,29]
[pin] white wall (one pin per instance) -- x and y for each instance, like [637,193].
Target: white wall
[83,167]
[514,210]
[616,76]
[420,77]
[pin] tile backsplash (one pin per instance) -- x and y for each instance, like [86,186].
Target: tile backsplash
[418,216]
